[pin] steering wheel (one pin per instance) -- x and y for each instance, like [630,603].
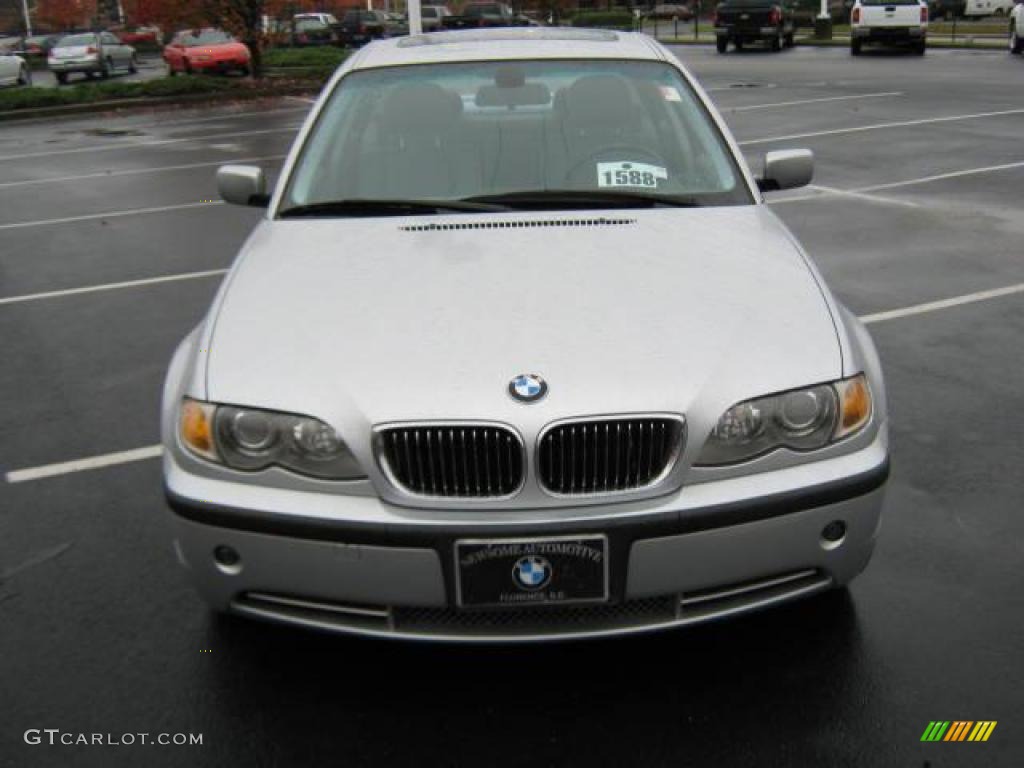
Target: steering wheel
[620,154]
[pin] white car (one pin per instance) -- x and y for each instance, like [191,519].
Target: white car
[519,352]
[1017,29]
[982,8]
[889,22]
[14,70]
[327,19]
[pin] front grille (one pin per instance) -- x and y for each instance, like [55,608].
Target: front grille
[606,456]
[453,460]
[536,620]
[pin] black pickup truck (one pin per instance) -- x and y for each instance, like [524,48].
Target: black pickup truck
[748,21]
[476,15]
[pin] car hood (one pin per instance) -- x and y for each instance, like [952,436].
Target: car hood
[364,321]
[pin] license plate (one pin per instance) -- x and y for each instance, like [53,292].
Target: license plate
[511,572]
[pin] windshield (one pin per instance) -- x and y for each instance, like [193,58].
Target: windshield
[203,37]
[73,40]
[449,132]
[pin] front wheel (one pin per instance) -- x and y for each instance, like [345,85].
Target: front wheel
[62,78]
[133,65]
[919,49]
[24,76]
[855,47]
[1016,44]
[722,44]
[790,42]
[776,42]
[107,67]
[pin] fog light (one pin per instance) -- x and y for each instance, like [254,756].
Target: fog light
[834,531]
[227,558]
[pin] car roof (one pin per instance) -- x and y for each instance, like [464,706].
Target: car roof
[507,43]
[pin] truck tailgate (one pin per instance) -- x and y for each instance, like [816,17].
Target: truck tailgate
[900,14]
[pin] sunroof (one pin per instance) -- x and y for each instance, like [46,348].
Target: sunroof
[473,36]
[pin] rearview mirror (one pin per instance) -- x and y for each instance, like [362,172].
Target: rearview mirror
[787,169]
[243,185]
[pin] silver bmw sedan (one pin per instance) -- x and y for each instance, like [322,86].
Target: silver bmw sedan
[518,352]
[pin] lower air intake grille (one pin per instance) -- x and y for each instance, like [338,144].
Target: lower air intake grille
[624,454]
[536,620]
[456,460]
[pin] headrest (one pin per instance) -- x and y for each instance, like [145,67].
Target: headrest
[527,95]
[427,106]
[597,100]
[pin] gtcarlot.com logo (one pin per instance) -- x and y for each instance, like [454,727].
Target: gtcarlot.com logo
[55,736]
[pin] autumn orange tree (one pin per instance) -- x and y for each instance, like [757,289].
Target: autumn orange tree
[65,14]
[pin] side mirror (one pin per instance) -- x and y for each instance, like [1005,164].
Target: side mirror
[787,169]
[243,185]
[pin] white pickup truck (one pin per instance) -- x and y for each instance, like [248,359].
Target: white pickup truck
[1017,29]
[889,22]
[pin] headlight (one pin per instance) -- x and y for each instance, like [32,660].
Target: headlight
[802,420]
[250,439]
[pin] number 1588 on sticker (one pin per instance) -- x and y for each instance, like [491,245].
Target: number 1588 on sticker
[629,175]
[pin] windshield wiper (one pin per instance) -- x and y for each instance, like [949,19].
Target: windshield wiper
[367,207]
[587,198]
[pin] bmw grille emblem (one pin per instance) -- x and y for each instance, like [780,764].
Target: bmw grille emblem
[527,388]
[532,572]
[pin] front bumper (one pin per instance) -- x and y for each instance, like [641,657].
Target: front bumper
[222,65]
[666,569]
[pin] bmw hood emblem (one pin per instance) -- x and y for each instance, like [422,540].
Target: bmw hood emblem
[527,388]
[532,572]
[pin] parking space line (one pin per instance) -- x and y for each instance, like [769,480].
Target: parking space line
[825,192]
[136,171]
[801,102]
[80,465]
[941,177]
[154,451]
[933,306]
[860,195]
[109,215]
[880,126]
[147,144]
[112,286]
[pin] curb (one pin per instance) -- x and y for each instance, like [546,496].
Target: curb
[840,42]
[157,101]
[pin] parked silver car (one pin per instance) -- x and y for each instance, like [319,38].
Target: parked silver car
[518,352]
[91,53]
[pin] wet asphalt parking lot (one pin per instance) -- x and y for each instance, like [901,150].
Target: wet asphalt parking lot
[110,251]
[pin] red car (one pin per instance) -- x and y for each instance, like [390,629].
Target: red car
[136,35]
[204,51]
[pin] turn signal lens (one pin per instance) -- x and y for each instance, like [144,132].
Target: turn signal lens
[854,405]
[196,428]
[855,19]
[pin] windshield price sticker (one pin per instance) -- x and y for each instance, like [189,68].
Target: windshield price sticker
[627,174]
